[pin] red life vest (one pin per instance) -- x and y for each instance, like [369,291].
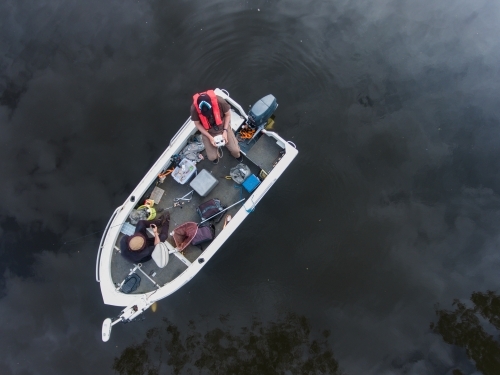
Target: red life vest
[215,109]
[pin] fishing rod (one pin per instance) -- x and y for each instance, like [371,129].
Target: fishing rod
[90,234]
[183,198]
[218,213]
[116,225]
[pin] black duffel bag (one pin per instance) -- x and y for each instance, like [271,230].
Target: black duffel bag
[209,209]
[205,233]
[131,283]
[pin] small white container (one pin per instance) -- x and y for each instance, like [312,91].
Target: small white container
[184,171]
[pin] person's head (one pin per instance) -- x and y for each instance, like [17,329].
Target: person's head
[136,242]
[204,104]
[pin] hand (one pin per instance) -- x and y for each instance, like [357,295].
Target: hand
[155,229]
[224,135]
[212,141]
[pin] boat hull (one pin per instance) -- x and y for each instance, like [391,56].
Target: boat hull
[108,246]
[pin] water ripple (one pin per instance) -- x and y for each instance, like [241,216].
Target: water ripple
[253,47]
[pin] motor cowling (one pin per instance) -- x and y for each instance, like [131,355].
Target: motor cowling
[262,111]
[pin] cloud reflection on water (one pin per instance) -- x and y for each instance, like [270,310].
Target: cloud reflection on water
[283,346]
[50,324]
[395,110]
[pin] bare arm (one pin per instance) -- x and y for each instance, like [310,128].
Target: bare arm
[227,127]
[155,231]
[227,119]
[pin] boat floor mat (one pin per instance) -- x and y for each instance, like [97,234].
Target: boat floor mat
[184,211]
[121,268]
[265,153]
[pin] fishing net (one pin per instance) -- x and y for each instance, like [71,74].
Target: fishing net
[183,234]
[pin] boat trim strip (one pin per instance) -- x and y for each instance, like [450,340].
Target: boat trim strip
[182,258]
[97,275]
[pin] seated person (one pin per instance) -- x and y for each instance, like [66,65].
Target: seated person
[211,115]
[139,247]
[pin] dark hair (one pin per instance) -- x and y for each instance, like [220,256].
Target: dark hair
[206,110]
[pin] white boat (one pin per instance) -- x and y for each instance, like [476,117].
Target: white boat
[266,154]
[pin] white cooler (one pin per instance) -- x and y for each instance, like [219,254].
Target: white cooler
[204,183]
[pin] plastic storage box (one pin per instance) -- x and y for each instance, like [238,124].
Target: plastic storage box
[184,171]
[251,183]
[204,183]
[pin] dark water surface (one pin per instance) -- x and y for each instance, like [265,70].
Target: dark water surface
[391,207]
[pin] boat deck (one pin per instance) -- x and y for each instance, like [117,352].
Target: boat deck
[261,154]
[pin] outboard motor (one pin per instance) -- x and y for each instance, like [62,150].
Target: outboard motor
[261,111]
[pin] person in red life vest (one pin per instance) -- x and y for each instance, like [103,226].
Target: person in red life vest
[211,115]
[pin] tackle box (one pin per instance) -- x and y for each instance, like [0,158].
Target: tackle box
[251,183]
